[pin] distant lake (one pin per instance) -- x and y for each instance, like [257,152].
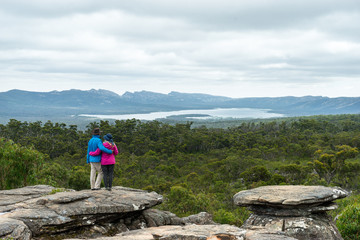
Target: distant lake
[196,114]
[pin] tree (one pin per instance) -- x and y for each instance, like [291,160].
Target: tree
[293,173]
[46,175]
[18,165]
[328,165]
[256,174]
[183,201]
[79,178]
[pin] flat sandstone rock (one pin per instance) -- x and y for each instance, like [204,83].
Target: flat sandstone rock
[46,213]
[288,195]
[295,211]
[187,232]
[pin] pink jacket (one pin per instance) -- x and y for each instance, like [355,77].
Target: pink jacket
[106,159]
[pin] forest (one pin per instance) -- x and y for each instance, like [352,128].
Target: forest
[195,168]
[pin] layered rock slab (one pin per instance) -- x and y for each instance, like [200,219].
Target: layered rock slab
[8,198]
[296,211]
[289,195]
[47,214]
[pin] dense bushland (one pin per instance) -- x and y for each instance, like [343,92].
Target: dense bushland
[196,169]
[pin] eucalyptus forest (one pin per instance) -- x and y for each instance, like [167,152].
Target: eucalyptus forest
[195,168]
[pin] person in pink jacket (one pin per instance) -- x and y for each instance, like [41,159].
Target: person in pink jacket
[107,160]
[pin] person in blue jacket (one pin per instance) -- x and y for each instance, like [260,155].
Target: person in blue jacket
[95,161]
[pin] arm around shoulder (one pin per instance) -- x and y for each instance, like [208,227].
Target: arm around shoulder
[95,153]
[104,149]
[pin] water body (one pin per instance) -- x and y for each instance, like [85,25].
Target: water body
[240,113]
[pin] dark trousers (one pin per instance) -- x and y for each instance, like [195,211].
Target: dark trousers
[108,171]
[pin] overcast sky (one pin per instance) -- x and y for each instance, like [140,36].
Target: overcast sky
[235,48]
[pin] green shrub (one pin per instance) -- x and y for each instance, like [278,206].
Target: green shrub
[344,203]
[53,174]
[348,222]
[224,217]
[235,216]
[183,202]
[18,165]
[80,178]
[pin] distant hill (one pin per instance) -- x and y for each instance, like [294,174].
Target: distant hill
[18,103]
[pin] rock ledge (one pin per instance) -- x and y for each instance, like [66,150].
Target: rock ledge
[279,213]
[296,211]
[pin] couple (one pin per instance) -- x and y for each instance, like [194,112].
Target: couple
[102,159]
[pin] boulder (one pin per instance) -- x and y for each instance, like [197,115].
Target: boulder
[293,211]
[155,218]
[289,196]
[14,229]
[74,211]
[202,218]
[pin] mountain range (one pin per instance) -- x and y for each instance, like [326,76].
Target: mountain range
[19,103]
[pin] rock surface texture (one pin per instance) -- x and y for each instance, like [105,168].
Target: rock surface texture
[37,213]
[294,211]
[42,211]
[187,232]
[280,213]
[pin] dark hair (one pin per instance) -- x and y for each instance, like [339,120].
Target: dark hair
[96,131]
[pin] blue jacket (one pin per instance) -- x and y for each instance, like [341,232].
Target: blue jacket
[94,143]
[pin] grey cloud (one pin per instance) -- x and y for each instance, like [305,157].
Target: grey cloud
[341,25]
[48,9]
[237,15]
[255,13]
[168,41]
[226,15]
